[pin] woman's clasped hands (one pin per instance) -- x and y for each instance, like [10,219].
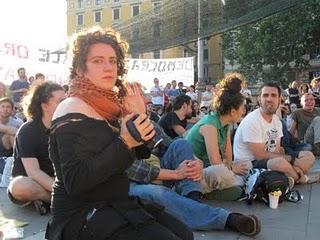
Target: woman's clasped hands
[143,126]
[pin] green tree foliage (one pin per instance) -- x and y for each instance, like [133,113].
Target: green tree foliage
[264,49]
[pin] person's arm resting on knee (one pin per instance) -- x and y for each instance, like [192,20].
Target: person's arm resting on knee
[33,171]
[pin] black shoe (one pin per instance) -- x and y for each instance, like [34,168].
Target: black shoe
[195,195]
[246,224]
[41,207]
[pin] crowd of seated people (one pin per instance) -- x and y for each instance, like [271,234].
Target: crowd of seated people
[208,144]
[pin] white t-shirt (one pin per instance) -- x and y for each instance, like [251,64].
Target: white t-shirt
[206,99]
[14,122]
[255,129]
[158,100]
[192,95]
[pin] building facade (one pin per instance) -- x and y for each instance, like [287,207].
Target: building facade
[109,13]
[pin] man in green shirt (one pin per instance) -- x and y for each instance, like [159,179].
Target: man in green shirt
[306,123]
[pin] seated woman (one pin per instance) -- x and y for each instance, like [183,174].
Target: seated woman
[211,141]
[196,114]
[91,148]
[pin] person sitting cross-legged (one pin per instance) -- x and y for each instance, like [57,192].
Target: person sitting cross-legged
[257,139]
[306,123]
[33,173]
[179,167]
[210,139]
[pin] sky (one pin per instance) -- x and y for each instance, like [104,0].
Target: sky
[29,29]
[38,21]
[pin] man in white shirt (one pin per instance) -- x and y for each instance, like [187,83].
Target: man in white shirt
[207,96]
[191,93]
[157,93]
[257,139]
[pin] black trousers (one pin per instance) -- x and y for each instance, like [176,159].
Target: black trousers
[146,222]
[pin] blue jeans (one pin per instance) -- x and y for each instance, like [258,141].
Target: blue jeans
[195,215]
[289,145]
[178,151]
[298,148]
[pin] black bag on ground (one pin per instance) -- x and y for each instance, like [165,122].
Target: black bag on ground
[269,181]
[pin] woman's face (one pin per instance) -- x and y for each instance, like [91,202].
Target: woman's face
[196,106]
[102,66]
[237,114]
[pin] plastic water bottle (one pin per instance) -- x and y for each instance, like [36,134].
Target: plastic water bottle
[6,175]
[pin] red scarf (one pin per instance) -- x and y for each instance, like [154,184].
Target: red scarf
[104,102]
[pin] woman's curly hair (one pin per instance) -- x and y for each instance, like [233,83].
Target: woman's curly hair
[229,96]
[82,42]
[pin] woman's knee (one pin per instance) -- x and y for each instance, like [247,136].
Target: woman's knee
[219,177]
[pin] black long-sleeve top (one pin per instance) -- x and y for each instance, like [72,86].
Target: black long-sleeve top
[90,162]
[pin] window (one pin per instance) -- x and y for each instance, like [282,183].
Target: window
[315,54]
[156,29]
[156,6]
[156,54]
[116,14]
[205,42]
[206,54]
[97,17]
[135,33]
[187,52]
[97,2]
[80,4]
[116,1]
[135,10]
[205,24]
[206,71]
[80,19]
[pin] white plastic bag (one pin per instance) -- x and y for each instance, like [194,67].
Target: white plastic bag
[6,175]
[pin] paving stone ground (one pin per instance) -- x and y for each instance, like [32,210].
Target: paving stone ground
[294,221]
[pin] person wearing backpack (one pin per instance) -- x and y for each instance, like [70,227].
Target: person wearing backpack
[258,139]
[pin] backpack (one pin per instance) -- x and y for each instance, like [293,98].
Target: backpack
[262,182]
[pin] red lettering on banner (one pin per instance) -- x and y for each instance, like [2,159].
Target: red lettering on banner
[10,49]
[22,52]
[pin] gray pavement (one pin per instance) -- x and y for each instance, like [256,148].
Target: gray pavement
[292,221]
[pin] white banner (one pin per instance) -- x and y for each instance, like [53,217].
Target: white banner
[34,59]
[53,64]
[166,70]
